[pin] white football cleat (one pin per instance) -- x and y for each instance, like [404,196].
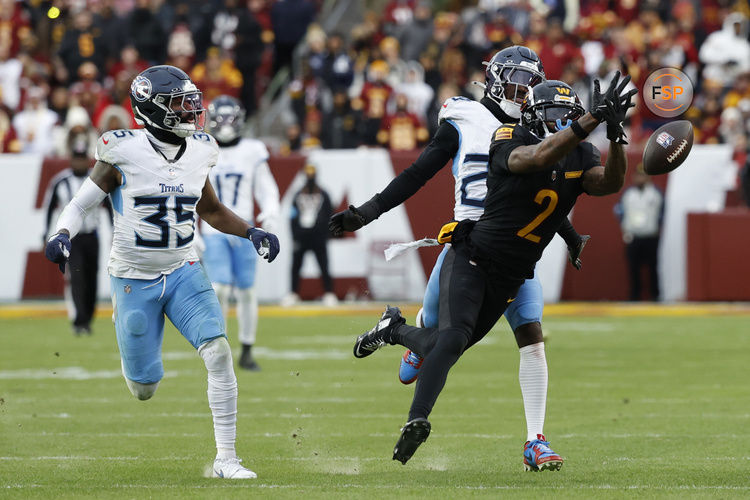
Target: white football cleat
[231,468]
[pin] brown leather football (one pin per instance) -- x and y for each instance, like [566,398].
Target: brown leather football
[668,147]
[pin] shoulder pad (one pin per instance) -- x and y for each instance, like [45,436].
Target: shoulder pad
[208,141]
[592,155]
[109,142]
[205,138]
[256,148]
[457,108]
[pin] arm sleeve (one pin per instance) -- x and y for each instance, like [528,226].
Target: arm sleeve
[436,154]
[267,193]
[51,204]
[88,197]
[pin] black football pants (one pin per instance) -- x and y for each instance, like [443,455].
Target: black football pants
[643,252]
[471,302]
[318,245]
[84,268]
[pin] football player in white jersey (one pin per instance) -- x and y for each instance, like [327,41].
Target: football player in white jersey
[241,174]
[157,179]
[465,131]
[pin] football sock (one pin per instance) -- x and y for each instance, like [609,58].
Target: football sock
[222,393]
[419,340]
[532,375]
[223,292]
[246,349]
[448,348]
[247,314]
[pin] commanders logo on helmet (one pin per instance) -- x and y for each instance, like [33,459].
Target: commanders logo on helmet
[549,107]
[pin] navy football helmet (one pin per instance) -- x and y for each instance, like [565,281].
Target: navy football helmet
[550,106]
[226,117]
[165,98]
[509,75]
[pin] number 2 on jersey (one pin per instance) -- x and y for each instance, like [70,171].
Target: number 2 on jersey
[525,232]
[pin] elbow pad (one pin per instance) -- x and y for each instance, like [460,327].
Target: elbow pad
[89,196]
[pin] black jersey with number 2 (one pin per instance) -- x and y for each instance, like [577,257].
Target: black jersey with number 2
[523,211]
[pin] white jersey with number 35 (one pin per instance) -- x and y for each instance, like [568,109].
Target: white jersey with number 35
[475,125]
[241,174]
[154,207]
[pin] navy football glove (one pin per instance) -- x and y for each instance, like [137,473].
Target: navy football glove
[266,244]
[58,250]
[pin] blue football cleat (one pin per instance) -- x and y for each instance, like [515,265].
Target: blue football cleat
[538,456]
[410,364]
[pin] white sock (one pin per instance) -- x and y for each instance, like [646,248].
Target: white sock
[247,315]
[223,292]
[222,394]
[532,375]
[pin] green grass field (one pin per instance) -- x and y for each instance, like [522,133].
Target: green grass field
[638,406]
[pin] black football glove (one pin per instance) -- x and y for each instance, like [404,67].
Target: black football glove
[598,102]
[574,252]
[349,220]
[612,106]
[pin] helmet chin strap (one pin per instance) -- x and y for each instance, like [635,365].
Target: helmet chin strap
[510,108]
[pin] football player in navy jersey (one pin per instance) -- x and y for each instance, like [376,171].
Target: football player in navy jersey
[537,170]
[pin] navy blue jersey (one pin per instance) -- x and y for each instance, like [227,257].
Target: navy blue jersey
[523,211]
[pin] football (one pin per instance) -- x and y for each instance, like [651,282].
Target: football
[668,147]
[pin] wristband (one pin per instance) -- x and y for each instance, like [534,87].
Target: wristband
[578,130]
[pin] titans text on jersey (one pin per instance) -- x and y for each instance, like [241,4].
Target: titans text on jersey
[154,207]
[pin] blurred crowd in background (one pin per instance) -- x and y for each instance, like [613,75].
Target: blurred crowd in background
[376,76]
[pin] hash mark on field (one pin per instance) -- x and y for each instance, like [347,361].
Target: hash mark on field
[116,434]
[395,487]
[268,353]
[86,458]
[65,373]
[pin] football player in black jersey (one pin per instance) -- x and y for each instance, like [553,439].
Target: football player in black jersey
[537,170]
[463,141]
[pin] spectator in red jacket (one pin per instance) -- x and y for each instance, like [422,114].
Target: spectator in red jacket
[402,130]
[374,99]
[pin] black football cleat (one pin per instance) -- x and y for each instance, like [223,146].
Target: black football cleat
[247,362]
[414,433]
[371,341]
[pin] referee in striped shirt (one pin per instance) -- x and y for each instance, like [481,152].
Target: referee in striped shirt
[83,268]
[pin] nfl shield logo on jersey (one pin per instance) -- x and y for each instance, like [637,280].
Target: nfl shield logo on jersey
[665,140]
[141,88]
[127,288]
